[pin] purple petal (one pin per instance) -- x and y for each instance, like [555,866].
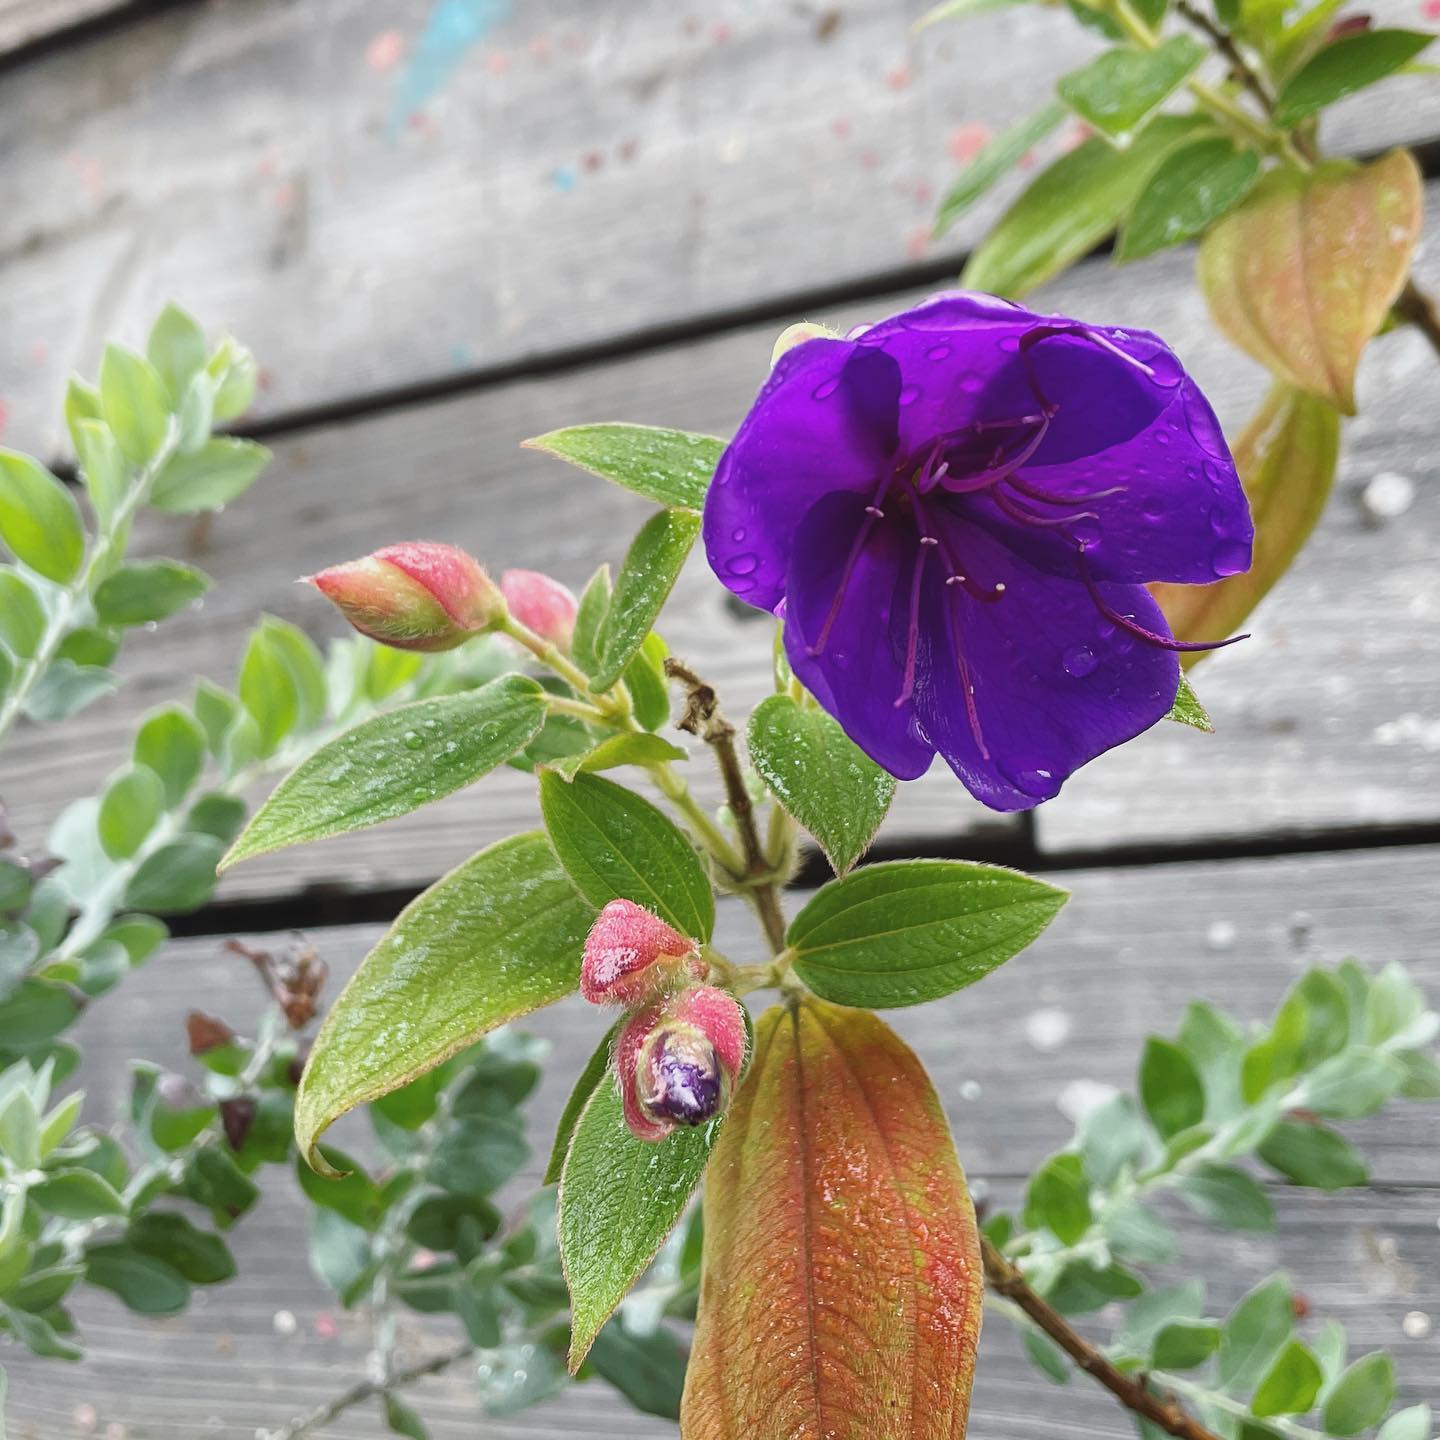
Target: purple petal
[1055,683]
[858,673]
[824,421]
[1166,504]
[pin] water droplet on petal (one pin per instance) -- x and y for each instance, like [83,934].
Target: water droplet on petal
[1203,426]
[1154,512]
[972,382]
[1079,661]
[1166,369]
[938,352]
[909,395]
[826,389]
[738,535]
[746,563]
[1010,344]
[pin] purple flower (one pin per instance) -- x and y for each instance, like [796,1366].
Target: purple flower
[956,512]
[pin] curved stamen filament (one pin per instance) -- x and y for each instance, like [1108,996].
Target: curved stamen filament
[1027,517]
[1151,637]
[1032,492]
[873,514]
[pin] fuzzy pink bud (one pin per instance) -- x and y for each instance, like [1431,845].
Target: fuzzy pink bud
[419,595]
[541,604]
[631,954]
[677,1063]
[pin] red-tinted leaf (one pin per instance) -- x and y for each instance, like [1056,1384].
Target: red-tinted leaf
[842,1283]
[1305,271]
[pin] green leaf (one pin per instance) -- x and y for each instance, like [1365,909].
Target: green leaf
[1314,1155]
[648,1370]
[651,566]
[1411,1424]
[176,348]
[35,1013]
[619,1198]
[67,688]
[268,691]
[22,620]
[1361,1396]
[132,803]
[616,751]
[216,814]
[401,1419]
[76,1195]
[1170,1088]
[645,680]
[959,9]
[39,519]
[596,1068]
[1121,89]
[235,372]
[176,877]
[19,1127]
[151,590]
[134,402]
[820,776]
[1069,208]
[1193,187]
[102,466]
[307,668]
[1291,1383]
[1255,1332]
[478,1156]
[215,709]
[1002,153]
[1046,1356]
[615,845]
[39,1336]
[911,930]
[1184,1344]
[220,471]
[590,616]
[214,1180]
[1136,1234]
[1156,1309]
[1111,1136]
[1356,1082]
[392,763]
[147,1285]
[496,938]
[171,743]
[1227,1196]
[671,467]
[1058,1199]
[202,1258]
[1344,66]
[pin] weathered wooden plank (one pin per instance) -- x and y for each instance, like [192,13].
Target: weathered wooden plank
[1117,964]
[23,22]
[574,173]
[1332,736]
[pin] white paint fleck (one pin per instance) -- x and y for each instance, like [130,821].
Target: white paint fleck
[1416,1325]
[1388,495]
[1410,728]
[1220,935]
[1047,1029]
[283,1322]
[1080,1097]
[970,1090]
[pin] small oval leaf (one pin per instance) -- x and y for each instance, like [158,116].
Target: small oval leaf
[39,519]
[672,467]
[846,1300]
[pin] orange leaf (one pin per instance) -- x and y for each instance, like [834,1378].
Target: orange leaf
[1286,458]
[840,1297]
[1305,271]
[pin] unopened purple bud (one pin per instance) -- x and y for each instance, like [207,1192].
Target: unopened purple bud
[683,1083]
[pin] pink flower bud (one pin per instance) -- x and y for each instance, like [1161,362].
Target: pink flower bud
[631,954]
[541,604]
[419,595]
[677,1063]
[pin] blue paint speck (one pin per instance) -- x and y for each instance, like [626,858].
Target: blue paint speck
[452,27]
[563,178]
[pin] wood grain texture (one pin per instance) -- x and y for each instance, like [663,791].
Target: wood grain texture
[1003,1055]
[581,173]
[1321,716]
[23,22]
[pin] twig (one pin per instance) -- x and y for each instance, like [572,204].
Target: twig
[1130,1390]
[366,1390]
[1419,309]
[702,717]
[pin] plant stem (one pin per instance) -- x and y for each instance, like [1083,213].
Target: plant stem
[68,600]
[1132,1391]
[702,717]
[1193,1391]
[1417,308]
[366,1390]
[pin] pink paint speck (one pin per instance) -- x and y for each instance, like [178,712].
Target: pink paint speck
[898,78]
[840,128]
[285,197]
[592,160]
[721,33]
[385,51]
[691,26]
[263,381]
[1430,9]
[325,1326]
[967,141]
[1077,132]
[540,50]
[924,191]
[39,353]
[265,165]
[1027,160]
[4,418]
[870,159]
[497,63]
[91,173]
[628,150]
[917,242]
[85,1417]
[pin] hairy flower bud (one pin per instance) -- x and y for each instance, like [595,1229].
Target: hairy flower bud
[541,604]
[798,334]
[632,954]
[677,1062]
[419,595]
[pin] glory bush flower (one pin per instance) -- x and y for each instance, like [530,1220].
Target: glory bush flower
[541,604]
[956,512]
[630,953]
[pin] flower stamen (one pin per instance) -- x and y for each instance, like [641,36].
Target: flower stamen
[1151,637]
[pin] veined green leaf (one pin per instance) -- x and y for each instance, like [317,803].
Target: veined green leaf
[911,930]
[39,519]
[1291,1383]
[394,762]
[147,590]
[1119,90]
[594,1073]
[496,938]
[133,398]
[616,751]
[1003,153]
[671,467]
[1187,709]
[1255,1332]
[1191,189]
[176,349]
[1342,67]
[1361,1396]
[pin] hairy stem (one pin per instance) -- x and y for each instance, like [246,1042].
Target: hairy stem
[1132,1391]
[367,1390]
[702,717]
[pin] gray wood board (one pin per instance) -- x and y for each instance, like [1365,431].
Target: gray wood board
[23,22]
[1313,733]
[1116,965]
[581,173]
